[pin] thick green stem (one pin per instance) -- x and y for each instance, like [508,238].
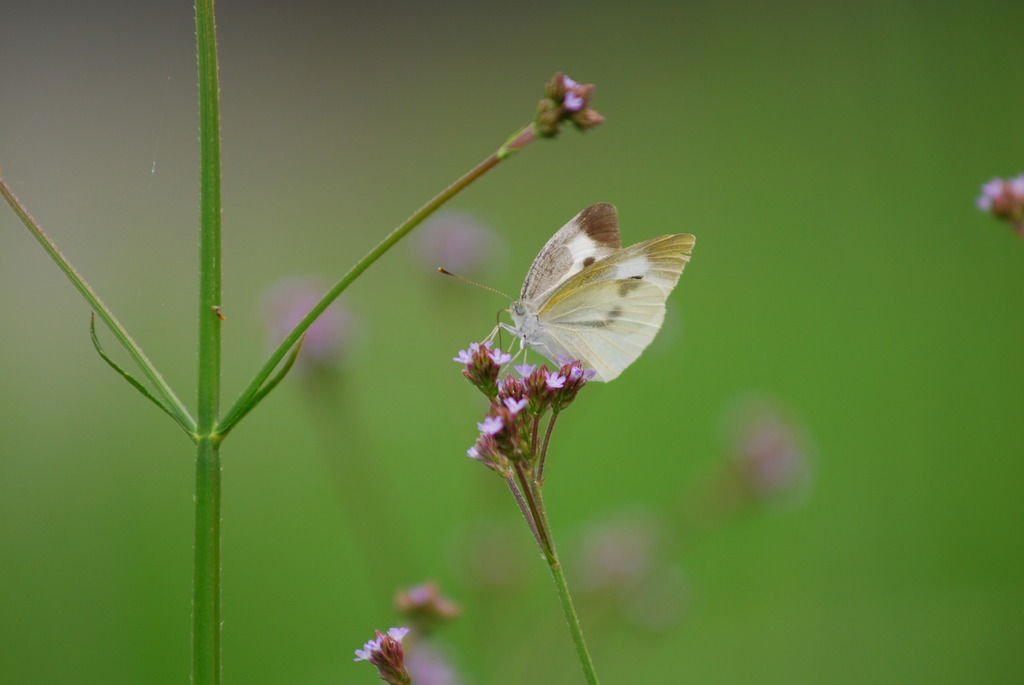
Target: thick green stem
[206,623]
[206,668]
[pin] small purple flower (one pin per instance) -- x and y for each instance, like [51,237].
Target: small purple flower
[368,649]
[491,425]
[515,406]
[573,101]
[1004,199]
[374,645]
[398,633]
[500,357]
[385,652]
[473,452]
[554,381]
[990,192]
[465,356]
[524,370]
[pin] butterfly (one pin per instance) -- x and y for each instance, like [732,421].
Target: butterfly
[585,297]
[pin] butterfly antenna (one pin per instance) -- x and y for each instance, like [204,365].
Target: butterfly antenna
[446,272]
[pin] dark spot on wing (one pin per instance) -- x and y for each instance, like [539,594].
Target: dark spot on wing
[588,261]
[629,285]
[601,223]
[637,278]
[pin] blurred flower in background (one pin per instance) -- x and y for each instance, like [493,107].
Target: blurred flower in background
[770,450]
[424,608]
[1004,199]
[428,665]
[458,242]
[624,560]
[329,343]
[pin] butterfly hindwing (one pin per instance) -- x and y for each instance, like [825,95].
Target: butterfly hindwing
[606,323]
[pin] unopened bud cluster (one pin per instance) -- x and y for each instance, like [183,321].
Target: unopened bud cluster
[565,100]
[508,431]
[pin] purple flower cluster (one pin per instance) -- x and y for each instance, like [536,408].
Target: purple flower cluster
[508,433]
[385,652]
[565,100]
[1004,199]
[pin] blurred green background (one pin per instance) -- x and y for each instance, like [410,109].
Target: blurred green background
[826,155]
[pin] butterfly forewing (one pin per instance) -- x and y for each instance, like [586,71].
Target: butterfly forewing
[590,236]
[659,261]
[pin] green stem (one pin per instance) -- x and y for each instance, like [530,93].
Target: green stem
[245,402]
[206,668]
[206,622]
[572,619]
[168,400]
[562,588]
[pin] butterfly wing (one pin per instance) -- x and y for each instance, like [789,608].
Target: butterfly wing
[609,312]
[605,324]
[590,236]
[659,261]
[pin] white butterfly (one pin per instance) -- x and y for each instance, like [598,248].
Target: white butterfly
[587,298]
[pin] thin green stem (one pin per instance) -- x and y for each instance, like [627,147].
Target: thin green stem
[245,402]
[206,608]
[167,399]
[544,448]
[564,596]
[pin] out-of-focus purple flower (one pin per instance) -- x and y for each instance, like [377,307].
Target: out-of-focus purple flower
[623,561]
[769,449]
[329,341]
[458,242]
[429,666]
[1004,199]
[424,606]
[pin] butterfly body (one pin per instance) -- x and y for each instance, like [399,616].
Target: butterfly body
[585,297]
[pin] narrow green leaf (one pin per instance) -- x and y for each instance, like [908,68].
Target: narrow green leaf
[232,419]
[169,410]
[99,308]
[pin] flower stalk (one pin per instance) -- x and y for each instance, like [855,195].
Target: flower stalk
[508,444]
